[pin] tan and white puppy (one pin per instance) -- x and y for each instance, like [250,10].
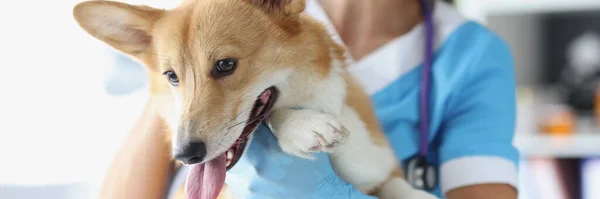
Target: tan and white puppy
[221,67]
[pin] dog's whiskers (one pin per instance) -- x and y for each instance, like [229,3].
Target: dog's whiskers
[250,121]
[241,112]
[232,120]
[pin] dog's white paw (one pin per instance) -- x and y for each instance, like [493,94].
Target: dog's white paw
[397,188]
[302,132]
[419,194]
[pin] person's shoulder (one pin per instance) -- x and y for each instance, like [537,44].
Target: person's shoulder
[460,39]
[469,52]
[461,35]
[473,35]
[473,48]
[473,53]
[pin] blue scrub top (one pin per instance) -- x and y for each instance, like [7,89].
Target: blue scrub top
[473,102]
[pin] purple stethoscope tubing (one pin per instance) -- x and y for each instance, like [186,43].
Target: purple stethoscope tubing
[420,173]
[425,88]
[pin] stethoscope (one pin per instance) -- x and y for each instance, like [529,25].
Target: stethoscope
[420,173]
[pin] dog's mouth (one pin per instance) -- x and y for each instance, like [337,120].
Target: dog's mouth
[260,110]
[205,181]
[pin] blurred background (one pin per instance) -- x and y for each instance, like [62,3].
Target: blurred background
[69,100]
[556,47]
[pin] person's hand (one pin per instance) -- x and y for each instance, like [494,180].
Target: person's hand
[265,171]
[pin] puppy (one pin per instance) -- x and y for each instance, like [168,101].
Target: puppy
[221,67]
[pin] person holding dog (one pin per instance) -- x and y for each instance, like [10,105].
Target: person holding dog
[470,129]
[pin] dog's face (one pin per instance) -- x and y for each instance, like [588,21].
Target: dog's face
[221,64]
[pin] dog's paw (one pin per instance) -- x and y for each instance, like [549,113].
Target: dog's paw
[398,188]
[420,194]
[302,132]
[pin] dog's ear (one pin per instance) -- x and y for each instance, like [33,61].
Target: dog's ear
[283,7]
[125,27]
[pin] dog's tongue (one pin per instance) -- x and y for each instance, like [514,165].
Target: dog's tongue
[205,181]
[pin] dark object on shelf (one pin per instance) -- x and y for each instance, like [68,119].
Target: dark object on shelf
[580,94]
[571,56]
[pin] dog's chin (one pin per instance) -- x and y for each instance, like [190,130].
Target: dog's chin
[260,110]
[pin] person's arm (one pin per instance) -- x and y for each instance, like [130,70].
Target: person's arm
[142,168]
[487,191]
[478,158]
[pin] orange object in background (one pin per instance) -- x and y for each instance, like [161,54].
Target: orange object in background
[558,122]
[597,106]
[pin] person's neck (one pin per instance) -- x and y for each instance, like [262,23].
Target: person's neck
[365,25]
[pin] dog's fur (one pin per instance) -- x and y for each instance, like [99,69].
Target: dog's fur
[277,45]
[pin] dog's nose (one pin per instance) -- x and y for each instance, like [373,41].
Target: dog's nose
[192,153]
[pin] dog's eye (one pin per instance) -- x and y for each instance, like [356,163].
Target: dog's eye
[224,67]
[172,77]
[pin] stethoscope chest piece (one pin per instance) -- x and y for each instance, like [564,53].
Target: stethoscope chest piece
[421,174]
